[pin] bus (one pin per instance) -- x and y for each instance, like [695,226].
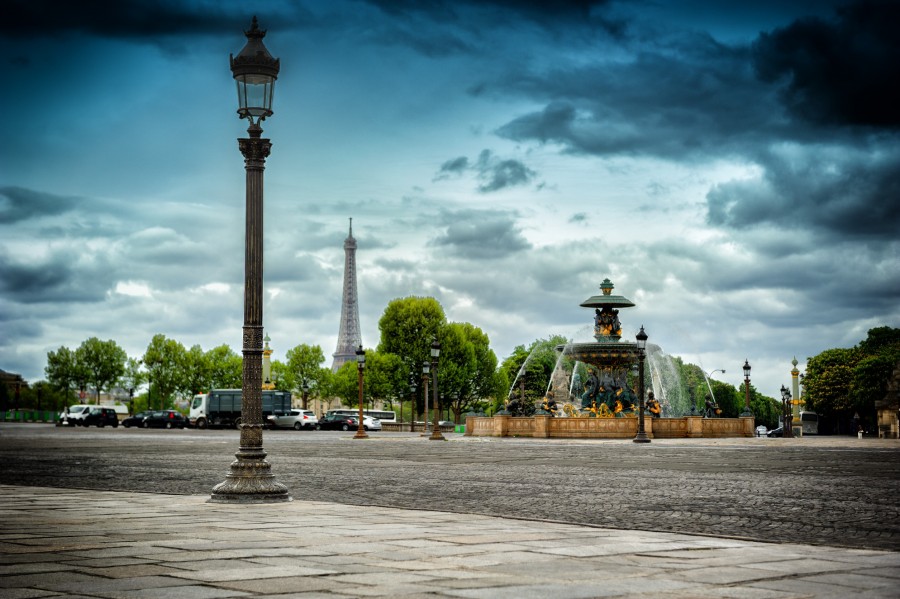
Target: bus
[382,415]
[810,422]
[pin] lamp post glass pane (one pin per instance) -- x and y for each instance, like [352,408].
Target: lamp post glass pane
[255,94]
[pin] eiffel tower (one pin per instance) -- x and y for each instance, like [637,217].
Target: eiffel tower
[349,337]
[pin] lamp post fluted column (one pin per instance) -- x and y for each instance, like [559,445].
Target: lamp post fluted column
[426,370]
[435,428]
[250,479]
[641,436]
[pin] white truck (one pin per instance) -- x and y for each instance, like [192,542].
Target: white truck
[222,407]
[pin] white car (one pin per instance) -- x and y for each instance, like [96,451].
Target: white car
[295,419]
[73,415]
[371,424]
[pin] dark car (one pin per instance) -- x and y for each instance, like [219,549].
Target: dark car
[776,432]
[136,420]
[164,419]
[100,417]
[337,422]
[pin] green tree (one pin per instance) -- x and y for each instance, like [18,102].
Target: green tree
[133,378]
[60,370]
[471,372]
[196,372]
[164,360]
[385,378]
[304,366]
[104,362]
[828,379]
[226,368]
[408,326]
[344,384]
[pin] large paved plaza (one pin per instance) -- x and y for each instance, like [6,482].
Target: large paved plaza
[465,518]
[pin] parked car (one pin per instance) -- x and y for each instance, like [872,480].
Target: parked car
[337,422]
[100,417]
[73,415]
[446,423]
[295,419]
[776,432]
[371,424]
[136,420]
[761,430]
[164,419]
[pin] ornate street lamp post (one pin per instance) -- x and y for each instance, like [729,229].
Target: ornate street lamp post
[360,366]
[746,413]
[435,429]
[641,436]
[787,430]
[251,479]
[426,369]
[412,407]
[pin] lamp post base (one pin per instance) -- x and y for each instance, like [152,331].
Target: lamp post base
[360,434]
[250,481]
[436,435]
[641,437]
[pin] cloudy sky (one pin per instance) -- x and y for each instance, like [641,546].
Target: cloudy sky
[735,171]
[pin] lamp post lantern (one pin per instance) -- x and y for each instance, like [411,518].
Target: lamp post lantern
[250,479]
[361,366]
[426,370]
[641,436]
[746,413]
[435,429]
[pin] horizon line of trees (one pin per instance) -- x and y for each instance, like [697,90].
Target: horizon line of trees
[469,375]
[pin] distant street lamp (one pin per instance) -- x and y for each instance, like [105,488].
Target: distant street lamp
[251,479]
[787,429]
[426,369]
[435,429]
[360,366]
[746,413]
[412,406]
[641,436]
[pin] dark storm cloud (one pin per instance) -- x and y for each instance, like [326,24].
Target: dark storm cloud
[493,172]
[835,192]
[480,234]
[53,279]
[19,204]
[135,18]
[686,100]
[843,71]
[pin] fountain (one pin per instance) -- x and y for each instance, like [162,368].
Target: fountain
[592,391]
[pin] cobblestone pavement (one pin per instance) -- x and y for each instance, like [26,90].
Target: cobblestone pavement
[78,543]
[825,490]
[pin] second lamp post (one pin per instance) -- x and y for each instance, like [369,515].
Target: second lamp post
[641,436]
[361,366]
[435,429]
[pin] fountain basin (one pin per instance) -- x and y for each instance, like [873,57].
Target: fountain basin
[608,428]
